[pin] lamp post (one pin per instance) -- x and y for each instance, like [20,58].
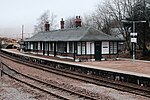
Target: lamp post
[133,39]
[22,31]
[21,42]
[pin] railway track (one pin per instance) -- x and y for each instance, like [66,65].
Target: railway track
[54,90]
[131,88]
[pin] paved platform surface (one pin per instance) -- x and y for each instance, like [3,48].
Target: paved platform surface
[124,65]
[139,66]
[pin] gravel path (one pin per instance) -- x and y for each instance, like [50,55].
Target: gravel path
[103,92]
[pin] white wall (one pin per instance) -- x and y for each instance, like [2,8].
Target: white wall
[79,48]
[38,45]
[46,46]
[90,47]
[67,47]
[31,46]
[42,45]
[72,47]
[105,47]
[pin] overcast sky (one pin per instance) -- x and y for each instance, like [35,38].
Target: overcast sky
[14,13]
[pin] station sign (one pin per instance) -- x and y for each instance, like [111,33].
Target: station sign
[133,34]
[134,40]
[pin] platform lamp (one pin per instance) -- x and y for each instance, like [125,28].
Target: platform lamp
[21,42]
[22,28]
[133,35]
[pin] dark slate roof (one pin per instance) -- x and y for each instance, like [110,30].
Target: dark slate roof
[116,33]
[75,34]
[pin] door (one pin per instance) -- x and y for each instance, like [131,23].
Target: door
[98,54]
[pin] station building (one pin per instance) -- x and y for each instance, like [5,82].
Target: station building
[78,43]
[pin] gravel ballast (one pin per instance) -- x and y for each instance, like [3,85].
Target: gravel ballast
[103,92]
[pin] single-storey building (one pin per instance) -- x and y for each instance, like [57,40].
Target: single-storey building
[78,43]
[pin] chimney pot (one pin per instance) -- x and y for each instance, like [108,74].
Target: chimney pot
[47,26]
[76,17]
[78,21]
[62,23]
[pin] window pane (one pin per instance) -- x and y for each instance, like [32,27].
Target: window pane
[51,46]
[111,47]
[46,46]
[83,47]
[79,48]
[31,45]
[115,47]
[70,47]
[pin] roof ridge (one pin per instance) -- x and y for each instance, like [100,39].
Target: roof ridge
[73,34]
[85,32]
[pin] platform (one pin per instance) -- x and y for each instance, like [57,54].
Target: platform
[138,68]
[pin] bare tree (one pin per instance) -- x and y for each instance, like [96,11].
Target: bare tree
[70,22]
[45,17]
[100,19]
[112,12]
[52,21]
[93,20]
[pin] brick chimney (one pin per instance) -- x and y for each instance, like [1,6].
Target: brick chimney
[47,26]
[62,23]
[78,21]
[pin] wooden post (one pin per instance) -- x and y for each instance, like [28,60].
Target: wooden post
[48,49]
[54,49]
[1,70]
[75,51]
[37,47]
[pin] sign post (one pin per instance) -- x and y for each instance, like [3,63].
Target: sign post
[133,35]
[133,41]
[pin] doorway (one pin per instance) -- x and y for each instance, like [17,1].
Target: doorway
[98,54]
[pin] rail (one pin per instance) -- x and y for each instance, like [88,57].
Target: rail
[72,93]
[99,77]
